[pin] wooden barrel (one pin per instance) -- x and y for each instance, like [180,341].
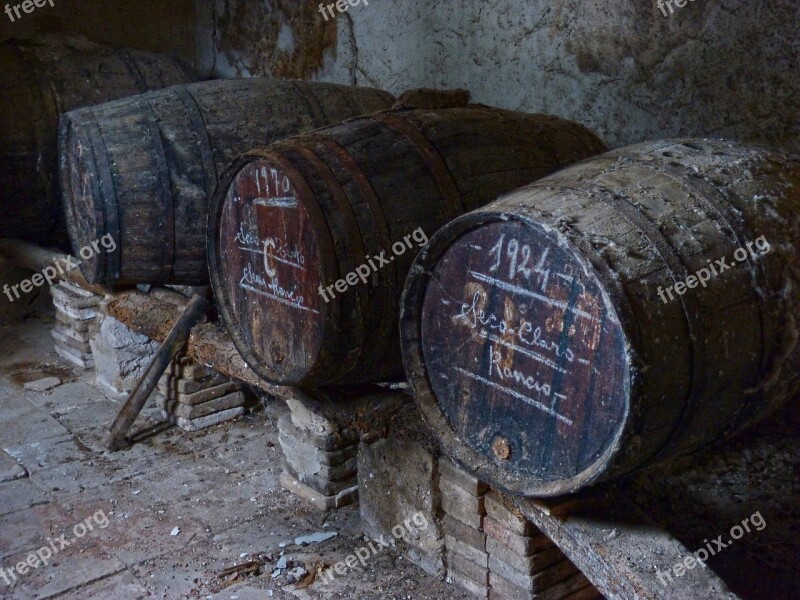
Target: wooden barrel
[39,80]
[143,169]
[312,238]
[623,311]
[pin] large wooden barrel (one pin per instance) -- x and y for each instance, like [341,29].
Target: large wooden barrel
[39,80]
[312,238]
[623,311]
[143,169]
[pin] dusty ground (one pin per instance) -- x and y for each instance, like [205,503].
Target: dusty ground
[217,491]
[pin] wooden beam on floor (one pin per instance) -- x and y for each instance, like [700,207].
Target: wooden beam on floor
[620,549]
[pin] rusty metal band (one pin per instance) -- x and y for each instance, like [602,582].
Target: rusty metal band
[342,210]
[713,198]
[353,242]
[167,200]
[133,70]
[432,158]
[109,262]
[691,307]
[313,104]
[377,224]
[368,193]
[201,130]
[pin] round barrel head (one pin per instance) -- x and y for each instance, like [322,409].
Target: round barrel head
[269,271]
[525,357]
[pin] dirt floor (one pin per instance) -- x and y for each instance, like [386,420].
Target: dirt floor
[177,516]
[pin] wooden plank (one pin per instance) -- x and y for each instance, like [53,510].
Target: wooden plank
[621,550]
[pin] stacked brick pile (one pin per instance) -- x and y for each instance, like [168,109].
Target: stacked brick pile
[195,397]
[523,563]
[76,315]
[463,501]
[320,458]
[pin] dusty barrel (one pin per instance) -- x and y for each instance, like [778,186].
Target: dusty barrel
[312,238]
[623,311]
[143,170]
[41,79]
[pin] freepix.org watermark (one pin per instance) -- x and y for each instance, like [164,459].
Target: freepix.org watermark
[664,4]
[364,271]
[340,6]
[715,268]
[699,557]
[60,267]
[416,523]
[42,557]
[27,7]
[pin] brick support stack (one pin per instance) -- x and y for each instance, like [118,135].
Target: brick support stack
[523,563]
[194,396]
[320,456]
[76,317]
[463,501]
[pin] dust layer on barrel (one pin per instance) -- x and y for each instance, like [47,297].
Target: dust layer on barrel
[525,358]
[269,263]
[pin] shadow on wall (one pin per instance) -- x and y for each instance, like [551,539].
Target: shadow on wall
[717,68]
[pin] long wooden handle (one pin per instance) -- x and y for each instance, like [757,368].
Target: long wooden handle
[169,349]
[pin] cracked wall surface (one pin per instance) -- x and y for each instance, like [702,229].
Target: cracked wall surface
[716,67]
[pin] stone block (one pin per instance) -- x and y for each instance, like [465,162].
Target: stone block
[467,568]
[74,297]
[462,506]
[588,593]
[186,411]
[545,557]
[454,546]
[84,361]
[209,421]
[456,476]
[121,356]
[82,337]
[329,472]
[398,479]
[327,442]
[505,590]
[323,485]
[532,583]
[465,584]
[520,544]
[464,533]
[69,342]
[170,384]
[76,325]
[432,564]
[502,510]
[204,396]
[84,314]
[344,498]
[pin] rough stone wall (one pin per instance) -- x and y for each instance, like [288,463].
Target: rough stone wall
[715,67]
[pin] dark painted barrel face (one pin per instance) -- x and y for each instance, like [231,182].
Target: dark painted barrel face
[525,357]
[269,258]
